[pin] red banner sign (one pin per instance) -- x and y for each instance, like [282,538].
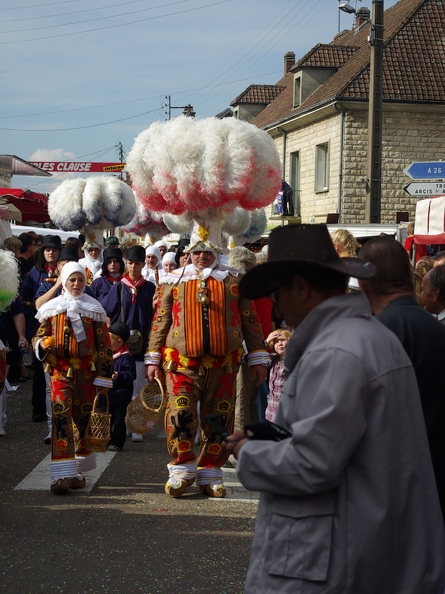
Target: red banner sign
[79,167]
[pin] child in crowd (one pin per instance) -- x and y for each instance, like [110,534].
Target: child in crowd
[276,342]
[123,377]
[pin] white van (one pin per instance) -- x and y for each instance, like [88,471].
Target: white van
[17,229]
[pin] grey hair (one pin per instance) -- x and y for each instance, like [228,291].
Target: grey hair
[241,258]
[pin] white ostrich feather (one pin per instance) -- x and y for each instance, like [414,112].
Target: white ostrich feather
[177,223]
[102,201]
[238,222]
[9,281]
[190,165]
[65,205]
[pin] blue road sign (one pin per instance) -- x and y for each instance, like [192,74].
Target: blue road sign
[426,170]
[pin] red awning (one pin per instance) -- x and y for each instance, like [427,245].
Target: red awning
[24,205]
[430,239]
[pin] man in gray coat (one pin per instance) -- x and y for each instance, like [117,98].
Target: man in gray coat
[348,502]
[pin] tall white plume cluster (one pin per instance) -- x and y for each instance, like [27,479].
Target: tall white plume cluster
[187,165]
[101,202]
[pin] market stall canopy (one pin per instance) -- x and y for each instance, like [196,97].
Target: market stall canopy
[15,166]
[24,205]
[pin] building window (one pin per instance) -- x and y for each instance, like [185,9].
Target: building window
[297,90]
[322,167]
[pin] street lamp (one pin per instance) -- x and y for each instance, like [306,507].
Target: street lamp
[373,200]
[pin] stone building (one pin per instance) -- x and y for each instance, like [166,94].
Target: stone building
[319,115]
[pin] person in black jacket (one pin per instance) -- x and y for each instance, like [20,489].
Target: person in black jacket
[392,300]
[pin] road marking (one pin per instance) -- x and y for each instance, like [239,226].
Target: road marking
[39,479]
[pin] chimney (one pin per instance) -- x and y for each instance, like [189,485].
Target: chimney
[362,16]
[289,61]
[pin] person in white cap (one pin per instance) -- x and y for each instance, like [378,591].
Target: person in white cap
[93,259]
[162,247]
[74,343]
[168,264]
[197,332]
[152,260]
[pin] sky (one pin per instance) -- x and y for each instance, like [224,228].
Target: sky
[80,79]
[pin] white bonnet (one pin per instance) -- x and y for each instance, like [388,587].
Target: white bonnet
[154,251]
[169,257]
[70,268]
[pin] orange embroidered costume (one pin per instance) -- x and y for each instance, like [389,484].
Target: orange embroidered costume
[202,172]
[198,332]
[79,361]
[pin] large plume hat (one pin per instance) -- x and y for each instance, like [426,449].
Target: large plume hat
[95,203]
[196,167]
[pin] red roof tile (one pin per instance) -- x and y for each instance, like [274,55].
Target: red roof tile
[258,94]
[413,62]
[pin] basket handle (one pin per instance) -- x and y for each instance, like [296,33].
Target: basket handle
[96,401]
[163,402]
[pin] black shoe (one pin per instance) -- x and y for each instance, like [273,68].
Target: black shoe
[39,417]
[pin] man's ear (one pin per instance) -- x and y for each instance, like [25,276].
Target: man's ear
[438,295]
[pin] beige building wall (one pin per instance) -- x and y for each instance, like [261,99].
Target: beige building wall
[314,205]
[407,137]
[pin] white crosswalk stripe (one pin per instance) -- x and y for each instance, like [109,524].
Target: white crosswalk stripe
[39,479]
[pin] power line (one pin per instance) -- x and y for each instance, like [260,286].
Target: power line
[81,127]
[39,5]
[53,15]
[16,41]
[101,106]
[99,18]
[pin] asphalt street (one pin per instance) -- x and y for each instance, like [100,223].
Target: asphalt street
[122,533]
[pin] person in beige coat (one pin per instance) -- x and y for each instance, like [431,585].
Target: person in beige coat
[348,501]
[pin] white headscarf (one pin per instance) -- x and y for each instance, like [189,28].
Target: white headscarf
[163,243]
[169,257]
[93,265]
[152,250]
[73,306]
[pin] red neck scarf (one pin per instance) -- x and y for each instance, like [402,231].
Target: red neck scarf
[122,351]
[126,280]
[51,271]
[113,280]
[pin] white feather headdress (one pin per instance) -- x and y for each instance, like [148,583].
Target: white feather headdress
[100,202]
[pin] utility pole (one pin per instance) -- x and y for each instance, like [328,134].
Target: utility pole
[120,152]
[188,109]
[373,198]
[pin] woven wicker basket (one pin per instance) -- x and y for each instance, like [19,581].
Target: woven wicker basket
[97,434]
[145,410]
